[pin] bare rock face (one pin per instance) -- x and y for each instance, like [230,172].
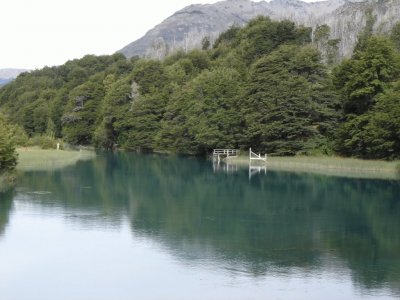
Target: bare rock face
[186,28]
[347,21]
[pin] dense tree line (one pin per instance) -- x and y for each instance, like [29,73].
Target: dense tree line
[265,86]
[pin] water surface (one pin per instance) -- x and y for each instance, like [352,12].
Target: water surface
[126,226]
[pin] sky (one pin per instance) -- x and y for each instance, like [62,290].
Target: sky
[38,33]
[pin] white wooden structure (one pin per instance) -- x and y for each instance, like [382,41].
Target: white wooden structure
[255,156]
[225,153]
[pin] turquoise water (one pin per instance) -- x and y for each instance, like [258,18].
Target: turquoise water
[126,226]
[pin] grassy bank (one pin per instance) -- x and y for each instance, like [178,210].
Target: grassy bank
[335,166]
[40,159]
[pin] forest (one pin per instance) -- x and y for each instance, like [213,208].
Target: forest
[271,85]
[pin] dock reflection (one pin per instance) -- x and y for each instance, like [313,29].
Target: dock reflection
[228,167]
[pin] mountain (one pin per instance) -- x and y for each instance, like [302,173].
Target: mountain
[7,75]
[4,81]
[186,28]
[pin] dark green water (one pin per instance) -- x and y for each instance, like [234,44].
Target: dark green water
[125,226]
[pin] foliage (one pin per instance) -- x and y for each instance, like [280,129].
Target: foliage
[203,115]
[262,36]
[375,134]
[80,120]
[366,74]
[370,92]
[8,156]
[266,85]
[285,111]
[395,35]
[19,136]
[43,141]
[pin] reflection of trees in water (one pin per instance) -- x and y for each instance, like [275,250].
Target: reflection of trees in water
[5,209]
[279,220]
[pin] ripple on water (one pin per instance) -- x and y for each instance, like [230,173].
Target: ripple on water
[39,193]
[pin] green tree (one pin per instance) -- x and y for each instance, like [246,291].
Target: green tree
[149,75]
[204,114]
[205,43]
[80,119]
[395,35]
[144,121]
[114,112]
[8,156]
[369,90]
[367,74]
[375,134]
[285,108]
[262,36]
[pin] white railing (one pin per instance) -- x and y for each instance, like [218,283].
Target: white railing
[227,152]
[255,156]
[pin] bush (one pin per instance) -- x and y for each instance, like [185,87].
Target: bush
[43,141]
[19,136]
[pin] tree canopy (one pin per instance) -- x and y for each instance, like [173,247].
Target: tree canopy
[269,85]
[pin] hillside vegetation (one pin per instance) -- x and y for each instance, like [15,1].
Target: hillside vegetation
[264,86]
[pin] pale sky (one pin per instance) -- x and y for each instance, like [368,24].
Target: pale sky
[38,33]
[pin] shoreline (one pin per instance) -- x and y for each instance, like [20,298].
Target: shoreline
[331,166]
[36,159]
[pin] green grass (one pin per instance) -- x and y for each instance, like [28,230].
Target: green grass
[336,166]
[40,159]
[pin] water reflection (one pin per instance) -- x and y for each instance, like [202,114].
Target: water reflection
[229,167]
[5,209]
[276,222]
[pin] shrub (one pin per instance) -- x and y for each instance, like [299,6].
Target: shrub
[43,141]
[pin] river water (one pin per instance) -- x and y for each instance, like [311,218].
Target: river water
[127,226]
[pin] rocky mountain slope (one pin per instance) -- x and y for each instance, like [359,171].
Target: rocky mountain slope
[186,28]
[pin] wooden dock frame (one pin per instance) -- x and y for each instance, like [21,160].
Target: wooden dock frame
[225,153]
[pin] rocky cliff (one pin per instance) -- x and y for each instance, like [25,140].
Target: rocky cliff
[186,28]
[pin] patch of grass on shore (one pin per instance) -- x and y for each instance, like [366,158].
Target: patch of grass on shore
[335,166]
[34,158]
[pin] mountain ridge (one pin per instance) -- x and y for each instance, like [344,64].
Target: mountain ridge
[186,28]
[9,74]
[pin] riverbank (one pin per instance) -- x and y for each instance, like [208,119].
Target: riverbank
[333,166]
[34,158]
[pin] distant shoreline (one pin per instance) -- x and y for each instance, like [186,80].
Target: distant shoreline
[34,158]
[332,166]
